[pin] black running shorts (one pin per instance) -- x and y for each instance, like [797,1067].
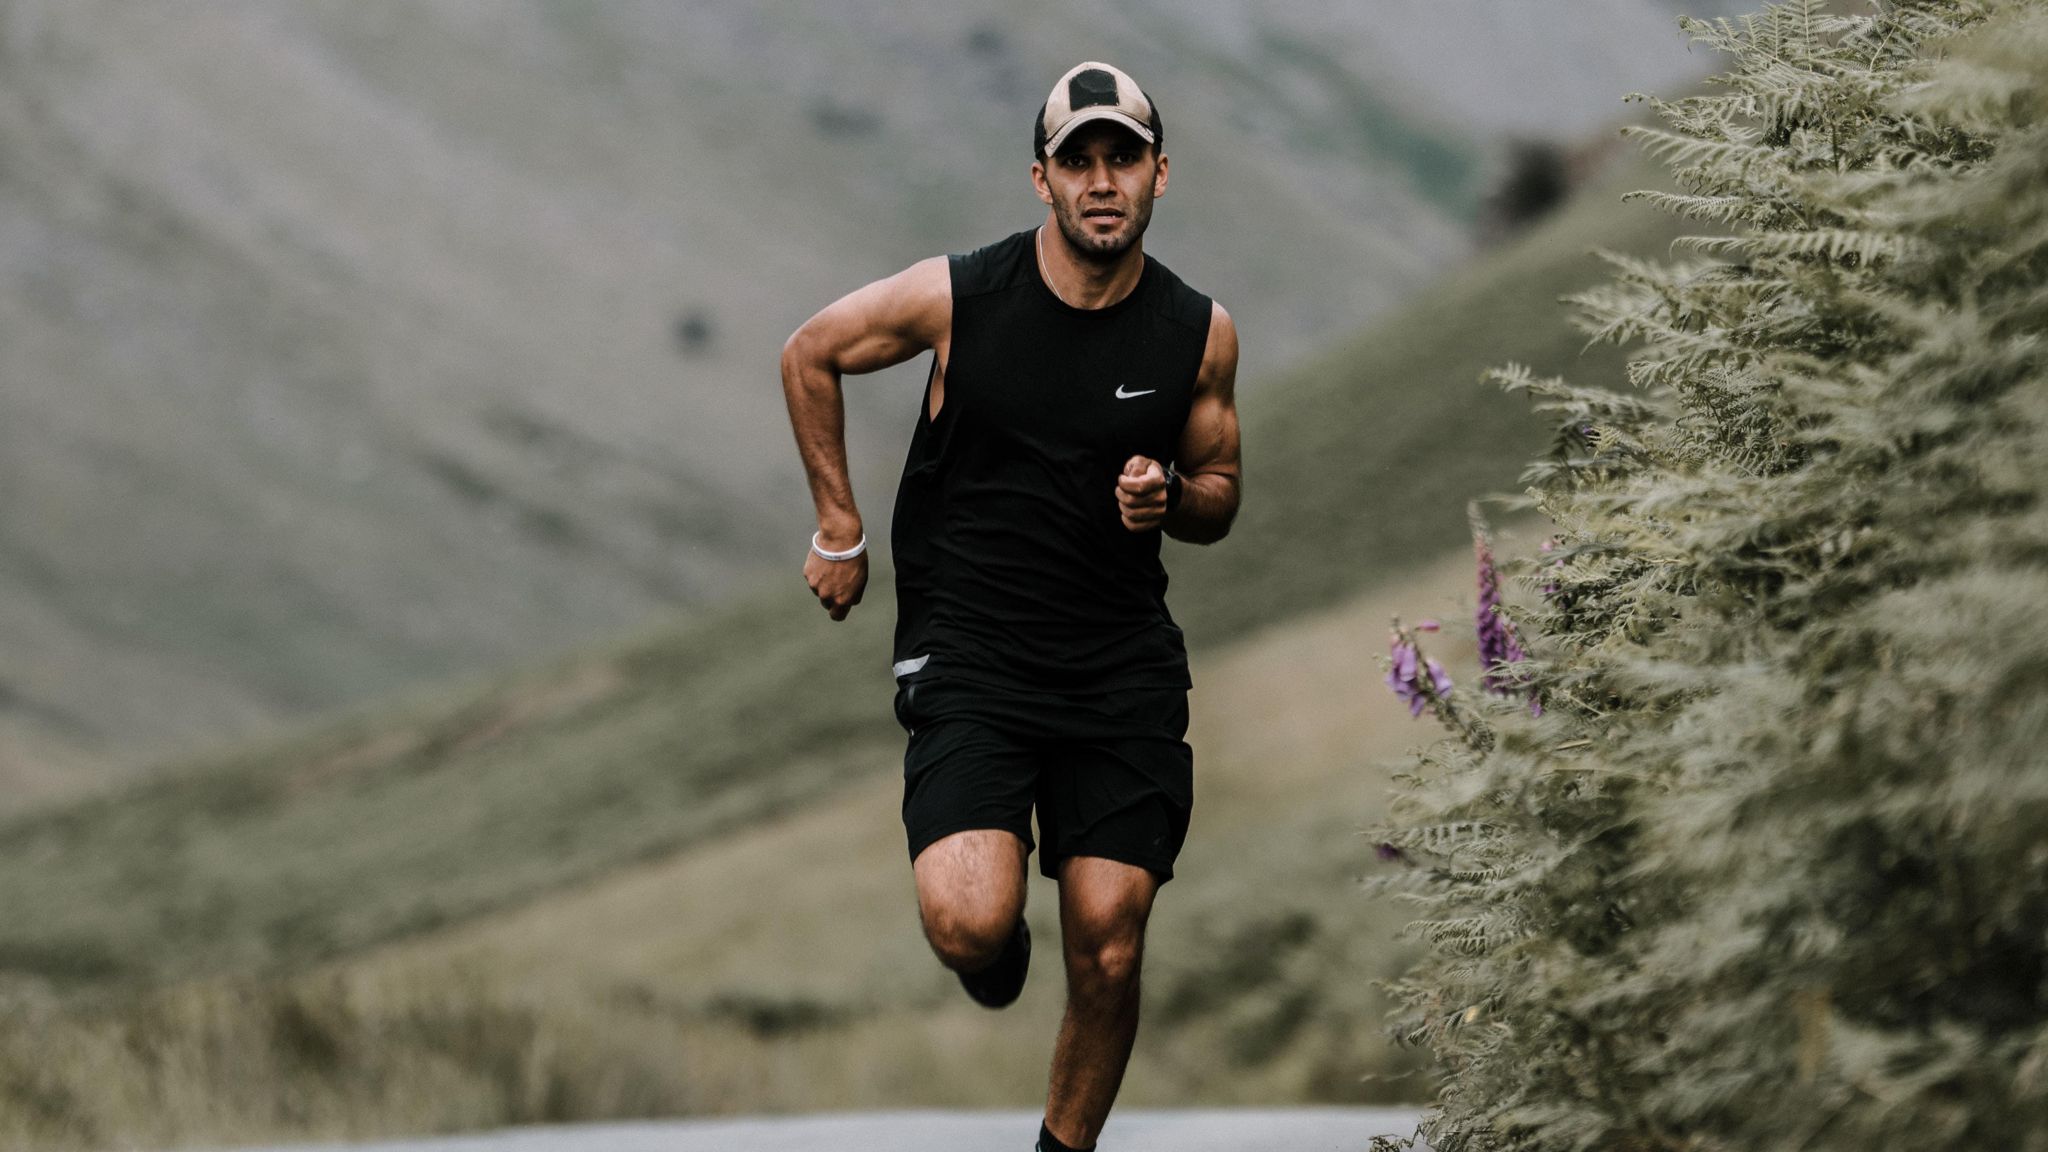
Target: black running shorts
[1109,773]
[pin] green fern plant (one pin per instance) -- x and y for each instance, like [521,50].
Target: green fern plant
[1771,868]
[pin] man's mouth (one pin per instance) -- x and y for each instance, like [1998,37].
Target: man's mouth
[1102,214]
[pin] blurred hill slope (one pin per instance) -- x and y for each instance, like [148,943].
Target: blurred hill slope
[348,346]
[620,882]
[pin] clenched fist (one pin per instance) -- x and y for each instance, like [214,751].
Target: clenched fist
[1141,494]
[838,584]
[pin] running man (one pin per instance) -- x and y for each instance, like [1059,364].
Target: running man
[1079,403]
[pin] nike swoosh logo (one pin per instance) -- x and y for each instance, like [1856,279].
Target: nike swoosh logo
[1123,395]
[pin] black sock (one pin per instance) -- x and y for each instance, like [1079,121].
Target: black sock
[1047,1142]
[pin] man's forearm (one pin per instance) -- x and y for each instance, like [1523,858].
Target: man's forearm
[817,415]
[1208,503]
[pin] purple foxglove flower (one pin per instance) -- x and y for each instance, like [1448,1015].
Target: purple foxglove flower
[1401,676]
[1405,676]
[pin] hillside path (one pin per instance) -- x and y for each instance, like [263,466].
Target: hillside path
[1139,1130]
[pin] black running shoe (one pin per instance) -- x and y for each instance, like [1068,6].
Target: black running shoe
[997,985]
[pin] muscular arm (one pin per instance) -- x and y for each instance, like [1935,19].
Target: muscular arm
[883,323]
[1207,457]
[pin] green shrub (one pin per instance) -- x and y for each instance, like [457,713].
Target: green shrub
[1771,868]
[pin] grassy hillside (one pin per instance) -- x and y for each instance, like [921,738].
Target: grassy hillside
[349,346]
[399,819]
[781,967]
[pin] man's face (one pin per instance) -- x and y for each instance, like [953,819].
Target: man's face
[1101,185]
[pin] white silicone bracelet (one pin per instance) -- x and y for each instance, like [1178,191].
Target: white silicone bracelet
[849,554]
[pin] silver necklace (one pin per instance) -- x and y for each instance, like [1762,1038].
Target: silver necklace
[1045,272]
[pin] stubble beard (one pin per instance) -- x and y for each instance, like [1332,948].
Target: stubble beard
[1102,249]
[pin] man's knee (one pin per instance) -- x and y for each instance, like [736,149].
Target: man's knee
[1104,945]
[970,891]
[968,938]
[1107,960]
[1104,907]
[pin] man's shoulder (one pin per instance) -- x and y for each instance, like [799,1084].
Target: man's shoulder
[991,267]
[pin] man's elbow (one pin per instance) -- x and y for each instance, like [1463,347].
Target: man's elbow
[793,350]
[1207,531]
[803,354]
[1205,534]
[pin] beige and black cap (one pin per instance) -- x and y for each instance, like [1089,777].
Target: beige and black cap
[1092,90]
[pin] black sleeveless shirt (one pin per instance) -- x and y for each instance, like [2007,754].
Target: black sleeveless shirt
[1013,567]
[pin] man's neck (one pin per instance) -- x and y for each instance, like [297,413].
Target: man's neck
[1085,283]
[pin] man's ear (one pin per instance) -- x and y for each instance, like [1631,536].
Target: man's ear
[1159,178]
[1038,183]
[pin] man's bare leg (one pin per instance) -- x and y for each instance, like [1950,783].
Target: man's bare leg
[970,891]
[1103,908]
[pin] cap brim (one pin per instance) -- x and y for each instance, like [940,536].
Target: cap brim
[1088,115]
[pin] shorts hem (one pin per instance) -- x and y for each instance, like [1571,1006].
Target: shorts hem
[933,835]
[1049,865]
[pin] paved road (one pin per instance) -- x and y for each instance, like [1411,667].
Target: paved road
[1234,1130]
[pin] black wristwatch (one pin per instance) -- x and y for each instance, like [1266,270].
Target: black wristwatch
[1173,486]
